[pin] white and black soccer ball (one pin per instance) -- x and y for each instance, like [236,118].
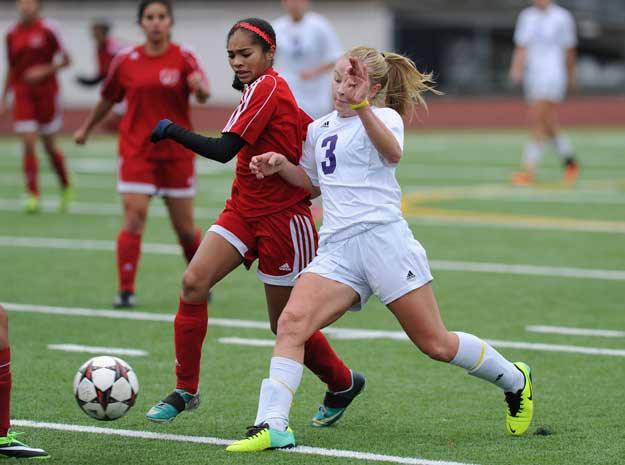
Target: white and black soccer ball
[106,387]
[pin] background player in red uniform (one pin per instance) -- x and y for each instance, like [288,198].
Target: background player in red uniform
[106,48]
[33,44]
[269,220]
[9,445]
[156,79]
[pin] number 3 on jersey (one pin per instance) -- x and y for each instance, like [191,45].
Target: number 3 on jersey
[329,164]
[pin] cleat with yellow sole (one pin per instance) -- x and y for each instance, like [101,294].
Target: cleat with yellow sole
[261,437]
[520,404]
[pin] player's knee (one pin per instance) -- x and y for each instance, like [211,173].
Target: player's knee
[438,348]
[134,221]
[186,236]
[292,324]
[195,287]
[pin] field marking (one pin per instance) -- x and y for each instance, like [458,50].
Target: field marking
[105,209]
[367,456]
[543,329]
[337,333]
[445,265]
[244,341]
[97,350]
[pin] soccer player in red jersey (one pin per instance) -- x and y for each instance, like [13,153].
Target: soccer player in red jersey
[106,48]
[9,445]
[268,220]
[33,43]
[156,79]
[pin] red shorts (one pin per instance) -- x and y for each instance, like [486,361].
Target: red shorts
[284,242]
[37,113]
[167,178]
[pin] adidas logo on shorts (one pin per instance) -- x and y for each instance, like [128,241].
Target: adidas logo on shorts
[326,124]
[285,267]
[410,276]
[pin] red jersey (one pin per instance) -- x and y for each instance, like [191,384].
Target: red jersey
[269,120]
[105,53]
[155,87]
[28,45]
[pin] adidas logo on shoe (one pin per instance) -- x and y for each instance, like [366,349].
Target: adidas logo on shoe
[285,267]
[410,276]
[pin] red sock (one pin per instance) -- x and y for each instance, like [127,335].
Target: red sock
[31,172]
[190,247]
[58,163]
[128,252]
[320,358]
[5,391]
[190,327]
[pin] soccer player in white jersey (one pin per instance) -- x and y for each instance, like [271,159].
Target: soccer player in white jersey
[366,246]
[308,50]
[544,60]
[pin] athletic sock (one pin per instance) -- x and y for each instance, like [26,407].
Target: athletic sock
[128,252]
[190,247]
[277,392]
[58,163]
[564,149]
[190,326]
[320,358]
[31,171]
[532,153]
[481,360]
[5,391]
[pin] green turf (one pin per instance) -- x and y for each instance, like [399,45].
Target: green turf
[412,407]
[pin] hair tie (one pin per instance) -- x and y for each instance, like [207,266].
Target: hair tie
[259,32]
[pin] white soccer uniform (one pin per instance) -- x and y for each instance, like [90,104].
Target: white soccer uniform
[547,35]
[303,45]
[364,240]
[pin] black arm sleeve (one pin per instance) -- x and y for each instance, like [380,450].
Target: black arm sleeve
[221,149]
[89,81]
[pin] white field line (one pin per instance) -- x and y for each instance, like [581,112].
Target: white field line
[243,341]
[105,209]
[336,333]
[348,454]
[97,350]
[574,331]
[446,265]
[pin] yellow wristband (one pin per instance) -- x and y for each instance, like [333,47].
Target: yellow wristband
[358,106]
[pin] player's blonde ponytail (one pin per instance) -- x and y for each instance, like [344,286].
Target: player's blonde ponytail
[403,85]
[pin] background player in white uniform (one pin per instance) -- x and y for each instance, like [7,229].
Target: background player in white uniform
[366,246]
[308,49]
[544,60]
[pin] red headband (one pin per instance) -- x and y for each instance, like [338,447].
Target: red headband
[259,32]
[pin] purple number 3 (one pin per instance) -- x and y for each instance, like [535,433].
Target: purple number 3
[329,164]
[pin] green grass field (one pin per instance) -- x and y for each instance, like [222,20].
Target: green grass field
[474,225]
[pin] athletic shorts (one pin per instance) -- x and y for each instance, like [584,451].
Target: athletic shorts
[37,113]
[167,178]
[540,88]
[386,261]
[284,242]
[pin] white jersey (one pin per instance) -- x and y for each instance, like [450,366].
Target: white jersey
[547,35]
[301,46]
[358,185]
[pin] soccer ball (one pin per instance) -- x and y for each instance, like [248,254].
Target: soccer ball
[106,387]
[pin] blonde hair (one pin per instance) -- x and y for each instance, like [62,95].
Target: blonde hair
[403,85]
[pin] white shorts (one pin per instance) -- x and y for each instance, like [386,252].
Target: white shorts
[552,90]
[386,261]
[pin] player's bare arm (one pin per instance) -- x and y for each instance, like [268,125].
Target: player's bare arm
[518,64]
[99,112]
[39,73]
[199,86]
[271,163]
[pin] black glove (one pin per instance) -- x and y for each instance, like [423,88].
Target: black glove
[160,131]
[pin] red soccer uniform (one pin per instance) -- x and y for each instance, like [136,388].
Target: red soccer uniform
[155,87]
[269,219]
[269,120]
[106,53]
[28,45]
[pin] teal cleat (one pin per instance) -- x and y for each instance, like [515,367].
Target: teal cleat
[173,405]
[335,403]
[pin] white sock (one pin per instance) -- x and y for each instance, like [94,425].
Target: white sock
[481,360]
[563,147]
[277,392]
[532,153]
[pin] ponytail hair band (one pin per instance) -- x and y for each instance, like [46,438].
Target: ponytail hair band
[256,30]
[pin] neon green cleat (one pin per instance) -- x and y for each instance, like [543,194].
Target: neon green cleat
[520,404]
[261,438]
[10,447]
[67,197]
[32,204]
